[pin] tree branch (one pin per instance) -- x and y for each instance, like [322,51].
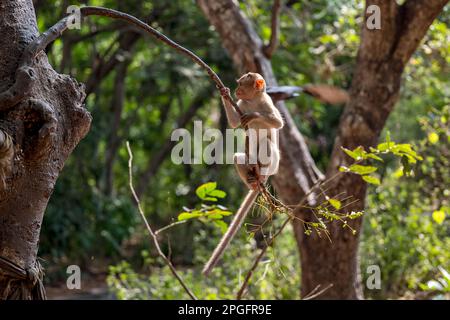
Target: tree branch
[150,230]
[269,49]
[379,43]
[416,17]
[11,96]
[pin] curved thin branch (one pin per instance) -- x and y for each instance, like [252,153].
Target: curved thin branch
[258,259]
[99,11]
[150,230]
[270,48]
[12,96]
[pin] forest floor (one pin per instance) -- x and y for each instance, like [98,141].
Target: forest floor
[94,287]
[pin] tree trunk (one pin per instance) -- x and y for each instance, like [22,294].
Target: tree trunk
[375,89]
[42,112]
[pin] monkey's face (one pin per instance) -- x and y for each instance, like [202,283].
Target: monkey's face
[249,86]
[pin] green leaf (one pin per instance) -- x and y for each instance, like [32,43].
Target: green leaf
[335,203]
[385,146]
[375,157]
[187,215]
[217,193]
[357,154]
[350,153]
[204,189]
[209,199]
[439,216]
[371,180]
[225,213]
[214,216]
[406,150]
[359,169]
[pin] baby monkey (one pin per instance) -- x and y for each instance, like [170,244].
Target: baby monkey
[263,121]
[262,156]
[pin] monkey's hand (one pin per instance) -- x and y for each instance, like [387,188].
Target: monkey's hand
[246,118]
[225,92]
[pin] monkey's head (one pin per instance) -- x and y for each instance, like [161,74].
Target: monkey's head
[250,85]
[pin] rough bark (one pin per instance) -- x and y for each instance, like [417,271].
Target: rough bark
[46,121]
[375,89]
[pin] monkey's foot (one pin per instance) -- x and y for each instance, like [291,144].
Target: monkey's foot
[253,182]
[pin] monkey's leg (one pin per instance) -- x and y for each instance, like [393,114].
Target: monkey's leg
[271,161]
[249,173]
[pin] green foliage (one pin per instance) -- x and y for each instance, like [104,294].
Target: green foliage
[406,230]
[276,278]
[208,212]
[404,151]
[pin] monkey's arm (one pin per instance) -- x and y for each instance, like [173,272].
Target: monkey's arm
[267,119]
[233,116]
[272,120]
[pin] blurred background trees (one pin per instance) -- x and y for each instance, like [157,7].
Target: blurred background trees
[140,90]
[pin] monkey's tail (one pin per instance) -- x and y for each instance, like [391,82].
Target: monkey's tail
[231,232]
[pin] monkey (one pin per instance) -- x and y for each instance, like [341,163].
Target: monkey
[262,120]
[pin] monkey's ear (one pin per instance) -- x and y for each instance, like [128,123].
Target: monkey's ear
[259,84]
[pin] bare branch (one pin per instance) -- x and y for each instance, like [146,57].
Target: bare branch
[150,230]
[87,11]
[258,259]
[11,97]
[269,49]
[314,294]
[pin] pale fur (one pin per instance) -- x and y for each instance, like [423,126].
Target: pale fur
[269,119]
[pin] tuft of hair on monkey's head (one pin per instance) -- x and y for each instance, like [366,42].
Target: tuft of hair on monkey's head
[6,156]
[249,85]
